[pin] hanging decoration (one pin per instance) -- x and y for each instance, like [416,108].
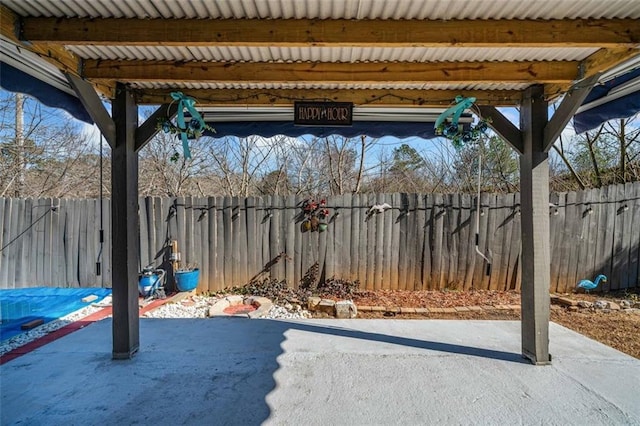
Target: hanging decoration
[191,130]
[316,215]
[447,124]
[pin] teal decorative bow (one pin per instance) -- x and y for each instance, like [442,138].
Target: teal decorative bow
[187,103]
[456,111]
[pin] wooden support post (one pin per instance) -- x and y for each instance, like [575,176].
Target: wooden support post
[534,199]
[124,228]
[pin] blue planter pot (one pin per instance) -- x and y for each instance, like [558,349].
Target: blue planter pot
[187,280]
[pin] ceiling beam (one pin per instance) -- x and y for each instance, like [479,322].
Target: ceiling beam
[434,98]
[503,127]
[380,72]
[596,63]
[569,105]
[340,32]
[93,104]
[147,130]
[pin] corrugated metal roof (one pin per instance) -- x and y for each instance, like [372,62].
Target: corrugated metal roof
[330,9]
[330,86]
[329,54]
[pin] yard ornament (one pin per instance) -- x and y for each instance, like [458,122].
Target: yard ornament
[590,285]
[452,130]
[193,130]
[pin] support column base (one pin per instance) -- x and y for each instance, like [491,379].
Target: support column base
[532,359]
[125,355]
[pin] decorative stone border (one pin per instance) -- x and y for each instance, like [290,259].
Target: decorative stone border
[424,311]
[262,304]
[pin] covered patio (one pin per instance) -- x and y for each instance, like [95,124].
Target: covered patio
[367,52]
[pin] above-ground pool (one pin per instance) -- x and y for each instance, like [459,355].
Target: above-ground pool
[22,305]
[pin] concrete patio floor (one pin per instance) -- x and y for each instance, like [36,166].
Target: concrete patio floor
[234,371]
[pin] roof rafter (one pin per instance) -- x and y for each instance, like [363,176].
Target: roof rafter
[339,32]
[381,72]
[212,97]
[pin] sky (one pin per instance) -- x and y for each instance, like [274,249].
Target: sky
[386,144]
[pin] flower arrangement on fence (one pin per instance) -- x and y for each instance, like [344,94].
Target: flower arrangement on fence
[316,215]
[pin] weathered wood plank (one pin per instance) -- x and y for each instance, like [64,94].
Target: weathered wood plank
[395,250]
[298,250]
[401,202]
[228,242]
[573,215]
[608,240]
[356,230]
[634,254]
[25,252]
[415,268]
[369,255]
[4,242]
[378,248]
[453,242]
[221,277]
[12,237]
[491,244]
[291,230]
[427,251]
[390,222]
[620,255]
[252,218]
[235,225]
[335,237]
[212,270]
[556,222]
[515,250]
[241,225]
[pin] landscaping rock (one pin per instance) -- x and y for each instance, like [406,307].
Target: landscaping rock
[601,304]
[613,306]
[327,306]
[585,304]
[625,304]
[566,301]
[312,303]
[345,309]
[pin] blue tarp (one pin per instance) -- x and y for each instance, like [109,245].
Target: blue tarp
[15,80]
[18,306]
[622,107]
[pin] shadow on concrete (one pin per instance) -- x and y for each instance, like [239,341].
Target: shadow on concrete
[188,371]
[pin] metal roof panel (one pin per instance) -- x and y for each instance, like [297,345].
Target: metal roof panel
[330,9]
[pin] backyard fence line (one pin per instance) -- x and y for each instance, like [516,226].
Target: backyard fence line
[423,242]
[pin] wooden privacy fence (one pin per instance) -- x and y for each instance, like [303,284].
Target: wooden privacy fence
[422,242]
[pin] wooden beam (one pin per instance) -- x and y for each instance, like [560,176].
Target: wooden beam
[10,25]
[570,104]
[536,251]
[124,229]
[149,128]
[435,98]
[596,63]
[333,32]
[93,104]
[503,127]
[386,72]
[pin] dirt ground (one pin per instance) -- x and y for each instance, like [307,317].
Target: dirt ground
[618,329]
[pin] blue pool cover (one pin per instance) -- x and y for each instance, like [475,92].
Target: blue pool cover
[21,305]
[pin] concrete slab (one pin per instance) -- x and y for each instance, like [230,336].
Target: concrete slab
[229,371]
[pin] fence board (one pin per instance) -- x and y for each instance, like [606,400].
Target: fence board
[221,277]
[356,230]
[24,280]
[608,194]
[10,265]
[634,253]
[422,250]
[453,242]
[589,267]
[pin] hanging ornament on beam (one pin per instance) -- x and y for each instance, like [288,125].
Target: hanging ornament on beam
[191,130]
[447,124]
